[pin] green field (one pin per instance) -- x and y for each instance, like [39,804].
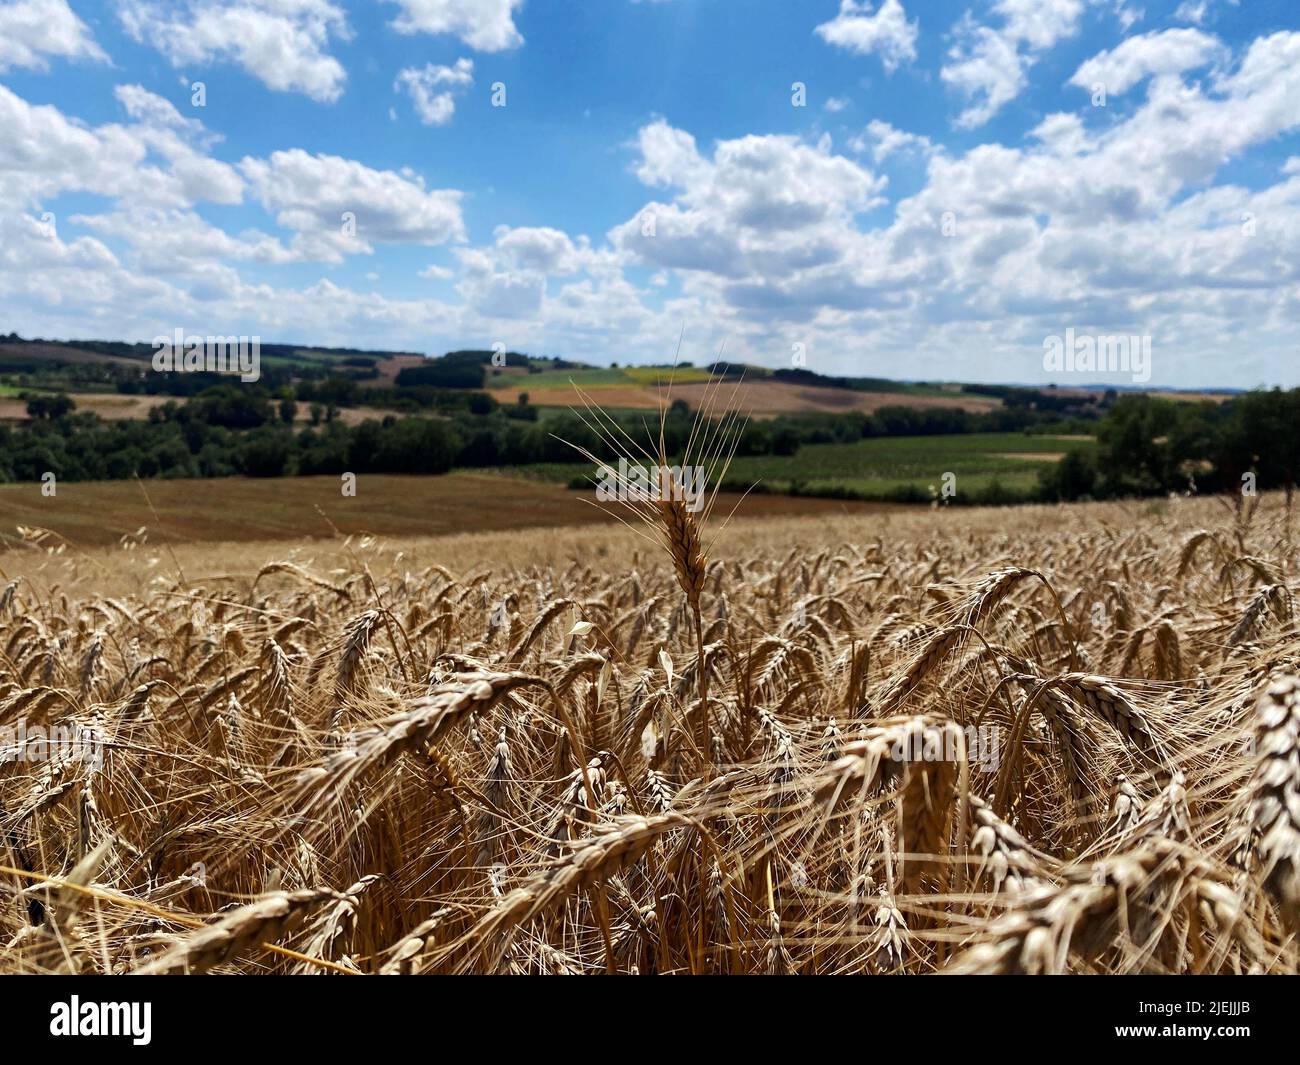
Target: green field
[879,468]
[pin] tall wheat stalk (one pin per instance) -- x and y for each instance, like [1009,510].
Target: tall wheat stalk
[676,527]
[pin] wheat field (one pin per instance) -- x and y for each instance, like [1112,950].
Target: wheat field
[1055,739]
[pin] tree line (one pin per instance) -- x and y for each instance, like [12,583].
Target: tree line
[1145,445]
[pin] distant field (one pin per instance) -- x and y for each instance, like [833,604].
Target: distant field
[389,369]
[294,508]
[115,406]
[512,379]
[300,357]
[882,465]
[109,405]
[643,387]
[758,398]
[59,353]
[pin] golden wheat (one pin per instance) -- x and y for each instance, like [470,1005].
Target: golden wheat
[939,742]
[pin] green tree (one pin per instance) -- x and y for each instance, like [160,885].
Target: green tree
[50,407]
[265,454]
[1074,477]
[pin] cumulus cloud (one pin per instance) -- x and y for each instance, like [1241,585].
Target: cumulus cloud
[1113,228]
[283,43]
[1160,52]
[184,143]
[43,153]
[1127,16]
[155,167]
[885,31]
[510,279]
[883,140]
[433,89]
[1118,225]
[540,249]
[988,64]
[32,30]
[498,293]
[487,25]
[171,241]
[339,206]
[157,158]
[759,213]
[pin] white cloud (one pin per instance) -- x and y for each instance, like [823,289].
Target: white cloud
[153,159]
[1111,229]
[760,241]
[761,212]
[988,65]
[668,156]
[883,140]
[498,293]
[145,106]
[487,25]
[540,249]
[836,104]
[1127,16]
[508,280]
[154,168]
[1039,24]
[885,31]
[170,241]
[338,206]
[31,30]
[1161,52]
[432,89]
[283,43]
[43,153]
[1191,11]
[44,278]
[184,143]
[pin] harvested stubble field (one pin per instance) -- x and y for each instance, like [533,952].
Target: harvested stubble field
[217,510]
[505,752]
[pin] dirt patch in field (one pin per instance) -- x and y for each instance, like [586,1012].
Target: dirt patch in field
[294,508]
[1031,456]
[112,406]
[1196,397]
[389,369]
[347,415]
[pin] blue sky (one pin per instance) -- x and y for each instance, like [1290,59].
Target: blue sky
[958,183]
